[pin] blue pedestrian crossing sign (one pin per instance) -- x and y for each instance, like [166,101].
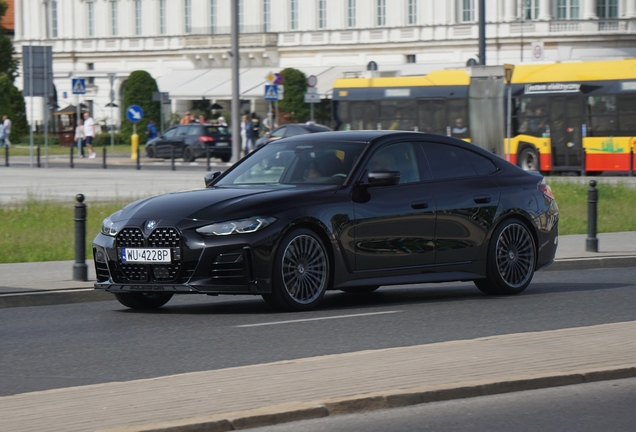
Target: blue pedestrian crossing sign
[134,113]
[271,92]
[78,85]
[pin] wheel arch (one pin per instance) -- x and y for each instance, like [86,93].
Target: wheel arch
[526,219]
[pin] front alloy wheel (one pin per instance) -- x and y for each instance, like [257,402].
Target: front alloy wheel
[511,260]
[301,272]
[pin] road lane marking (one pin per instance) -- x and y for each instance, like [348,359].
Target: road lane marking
[318,319]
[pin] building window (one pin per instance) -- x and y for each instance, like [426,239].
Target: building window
[293,14]
[322,14]
[607,8]
[162,17]
[567,9]
[351,13]
[137,17]
[187,6]
[90,12]
[267,13]
[53,33]
[410,58]
[467,11]
[381,13]
[212,16]
[530,9]
[240,16]
[411,12]
[114,23]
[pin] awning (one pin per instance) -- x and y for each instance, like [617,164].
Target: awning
[216,84]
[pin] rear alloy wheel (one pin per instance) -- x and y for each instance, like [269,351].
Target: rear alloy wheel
[188,154]
[529,159]
[143,300]
[151,152]
[511,260]
[301,272]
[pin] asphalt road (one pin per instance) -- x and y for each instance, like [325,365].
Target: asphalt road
[58,346]
[601,406]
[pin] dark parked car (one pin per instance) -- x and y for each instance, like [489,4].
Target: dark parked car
[289,130]
[191,141]
[348,211]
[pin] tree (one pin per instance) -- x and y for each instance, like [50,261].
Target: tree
[12,105]
[8,63]
[138,90]
[293,107]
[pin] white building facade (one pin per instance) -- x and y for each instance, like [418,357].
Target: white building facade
[185,44]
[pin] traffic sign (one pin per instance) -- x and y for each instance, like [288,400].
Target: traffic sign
[312,98]
[78,85]
[278,79]
[312,81]
[134,113]
[271,92]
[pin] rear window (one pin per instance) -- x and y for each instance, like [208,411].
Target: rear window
[217,130]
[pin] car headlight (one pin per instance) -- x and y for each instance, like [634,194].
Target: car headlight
[240,226]
[109,227]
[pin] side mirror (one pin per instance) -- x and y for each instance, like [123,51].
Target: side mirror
[210,178]
[383,178]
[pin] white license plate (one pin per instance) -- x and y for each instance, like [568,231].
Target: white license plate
[222,144]
[144,255]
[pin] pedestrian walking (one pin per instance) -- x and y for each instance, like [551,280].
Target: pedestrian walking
[6,123]
[247,134]
[80,138]
[2,135]
[151,130]
[89,134]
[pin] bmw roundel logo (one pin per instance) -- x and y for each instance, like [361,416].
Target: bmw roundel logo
[151,224]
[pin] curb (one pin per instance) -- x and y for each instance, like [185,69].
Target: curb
[285,413]
[592,263]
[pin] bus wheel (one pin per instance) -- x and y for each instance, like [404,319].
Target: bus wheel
[528,159]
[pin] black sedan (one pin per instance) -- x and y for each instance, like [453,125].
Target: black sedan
[191,141]
[348,211]
[290,130]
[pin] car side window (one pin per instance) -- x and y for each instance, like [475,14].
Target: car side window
[182,130]
[194,130]
[397,157]
[482,165]
[279,133]
[293,130]
[170,133]
[447,161]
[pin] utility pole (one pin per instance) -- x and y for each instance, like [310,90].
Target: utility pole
[482,32]
[236,96]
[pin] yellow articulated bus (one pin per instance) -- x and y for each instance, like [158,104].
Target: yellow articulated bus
[577,117]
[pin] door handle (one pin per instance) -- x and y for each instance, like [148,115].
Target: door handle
[481,199]
[418,205]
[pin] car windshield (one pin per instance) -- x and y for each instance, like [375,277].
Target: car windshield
[217,130]
[296,163]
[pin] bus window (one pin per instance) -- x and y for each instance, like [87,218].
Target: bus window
[397,114]
[627,116]
[431,116]
[364,116]
[602,110]
[530,116]
[457,118]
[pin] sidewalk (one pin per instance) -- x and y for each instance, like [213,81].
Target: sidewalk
[250,396]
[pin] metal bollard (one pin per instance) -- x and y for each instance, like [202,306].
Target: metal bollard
[207,155]
[138,159]
[38,155]
[631,162]
[72,165]
[584,156]
[80,270]
[6,155]
[591,243]
[172,156]
[104,157]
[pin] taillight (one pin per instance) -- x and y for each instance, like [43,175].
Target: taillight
[545,190]
[205,138]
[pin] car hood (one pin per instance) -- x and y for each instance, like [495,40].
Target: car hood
[219,203]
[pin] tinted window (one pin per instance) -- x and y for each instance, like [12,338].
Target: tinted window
[217,130]
[170,133]
[447,161]
[294,130]
[396,157]
[182,130]
[280,132]
[482,165]
[194,130]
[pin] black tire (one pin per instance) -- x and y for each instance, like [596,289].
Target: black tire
[361,289]
[511,260]
[151,152]
[226,158]
[188,154]
[143,300]
[301,272]
[528,159]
